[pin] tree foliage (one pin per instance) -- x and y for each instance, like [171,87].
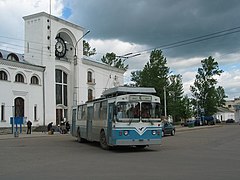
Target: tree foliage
[204,90]
[156,74]
[112,60]
[87,49]
[175,102]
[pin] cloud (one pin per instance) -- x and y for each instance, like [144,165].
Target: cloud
[157,22]
[123,26]
[12,24]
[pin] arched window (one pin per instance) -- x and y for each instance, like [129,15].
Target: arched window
[19,78]
[3,76]
[34,80]
[89,76]
[13,57]
[61,87]
[90,94]
[19,107]
[1,56]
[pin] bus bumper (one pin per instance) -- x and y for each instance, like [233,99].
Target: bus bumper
[136,142]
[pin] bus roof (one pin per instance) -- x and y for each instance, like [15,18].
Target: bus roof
[120,90]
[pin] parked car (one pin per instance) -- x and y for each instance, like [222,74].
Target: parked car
[188,123]
[209,120]
[230,121]
[198,122]
[168,128]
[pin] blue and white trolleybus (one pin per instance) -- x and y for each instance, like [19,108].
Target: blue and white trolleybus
[123,116]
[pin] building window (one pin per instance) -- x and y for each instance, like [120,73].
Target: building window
[34,80]
[35,112]
[90,94]
[1,56]
[13,57]
[19,107]
[3,112]
[3,75]
[19,78]
[89,76]
[61,87]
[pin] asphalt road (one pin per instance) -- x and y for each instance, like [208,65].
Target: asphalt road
[200,154]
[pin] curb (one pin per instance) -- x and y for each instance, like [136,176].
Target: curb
[44,134]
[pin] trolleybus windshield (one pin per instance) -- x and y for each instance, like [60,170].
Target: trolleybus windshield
[132,111]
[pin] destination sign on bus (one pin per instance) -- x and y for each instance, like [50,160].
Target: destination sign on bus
[140,98]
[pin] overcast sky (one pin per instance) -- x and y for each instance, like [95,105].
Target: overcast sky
[139,26]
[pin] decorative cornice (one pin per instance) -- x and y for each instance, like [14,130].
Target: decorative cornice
[101,65]
[37,15]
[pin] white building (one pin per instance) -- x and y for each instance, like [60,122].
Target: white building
[53,75]
[224,113]
[235,106]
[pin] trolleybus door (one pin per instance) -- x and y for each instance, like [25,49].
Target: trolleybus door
[74,119]
[110,119]
[89,123]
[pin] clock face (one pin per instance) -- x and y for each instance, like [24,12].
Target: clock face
[60,47]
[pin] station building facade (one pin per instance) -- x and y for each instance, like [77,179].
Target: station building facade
[52,75]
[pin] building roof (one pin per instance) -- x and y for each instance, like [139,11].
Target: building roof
[52,17]
[5,55]
[88,61]
[21,63]
[224,109]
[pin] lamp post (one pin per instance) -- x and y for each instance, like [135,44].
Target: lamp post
[75,47]
[75,75]
[165,101]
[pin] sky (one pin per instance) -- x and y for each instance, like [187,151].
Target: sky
[187,31]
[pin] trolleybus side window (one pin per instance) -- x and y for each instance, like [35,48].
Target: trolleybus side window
[96,112]
[100,110]
[79,115]
[103,110]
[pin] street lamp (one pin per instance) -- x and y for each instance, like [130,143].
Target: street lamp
[75,47]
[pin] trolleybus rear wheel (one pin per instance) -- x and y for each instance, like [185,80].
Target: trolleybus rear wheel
[79,139]
[103,141]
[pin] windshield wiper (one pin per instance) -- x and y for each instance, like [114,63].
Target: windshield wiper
[130,121]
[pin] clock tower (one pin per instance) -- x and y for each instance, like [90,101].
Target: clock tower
[56,44]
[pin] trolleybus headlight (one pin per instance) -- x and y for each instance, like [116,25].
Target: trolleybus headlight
[125,133]
[154,132]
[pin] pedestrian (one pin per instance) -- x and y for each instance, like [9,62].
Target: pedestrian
[29,127]
[67,126]
[49,128]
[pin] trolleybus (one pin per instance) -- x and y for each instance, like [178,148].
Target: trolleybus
[123,116]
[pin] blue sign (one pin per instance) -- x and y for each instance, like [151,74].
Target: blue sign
[17,120]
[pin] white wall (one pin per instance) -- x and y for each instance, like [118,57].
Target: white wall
[32,94]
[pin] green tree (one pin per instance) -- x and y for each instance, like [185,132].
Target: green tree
[87,49]
[112,60]
[204,90]
[175,97]
[220,95]
[154,74]
[186,108]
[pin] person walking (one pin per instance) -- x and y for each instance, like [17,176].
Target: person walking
[49,128]
[29,127]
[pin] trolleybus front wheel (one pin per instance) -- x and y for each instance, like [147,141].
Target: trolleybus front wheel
[103,141]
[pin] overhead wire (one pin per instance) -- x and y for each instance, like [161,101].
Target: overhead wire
[225,32]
